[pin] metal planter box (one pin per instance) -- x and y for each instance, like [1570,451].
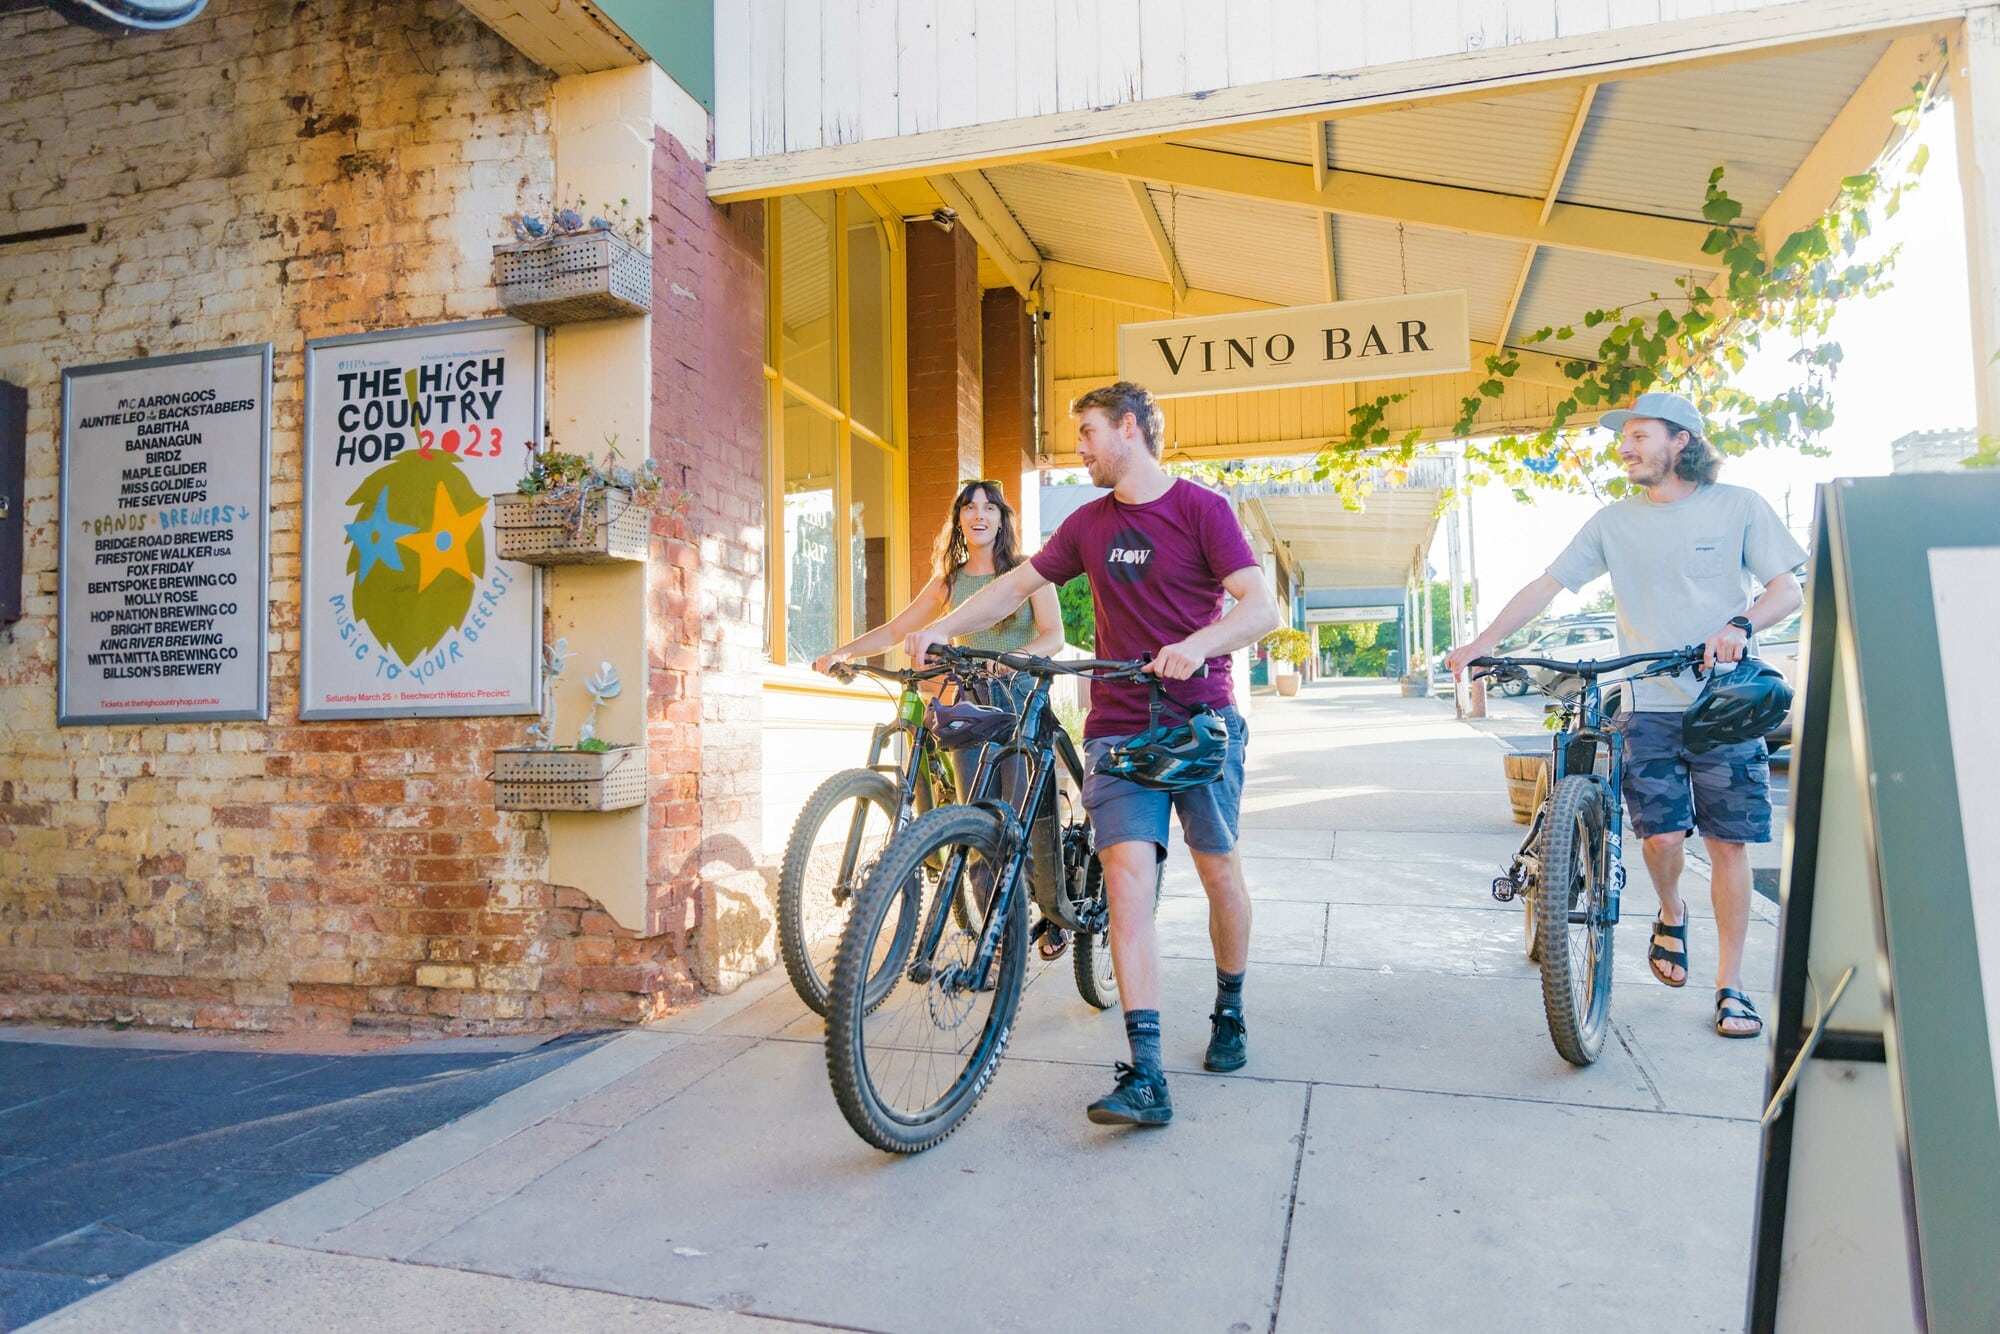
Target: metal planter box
[565,279]
[569,780]
[544,530]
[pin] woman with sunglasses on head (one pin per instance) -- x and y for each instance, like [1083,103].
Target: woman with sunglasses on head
[979,543]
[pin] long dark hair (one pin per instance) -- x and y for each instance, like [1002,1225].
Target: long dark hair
[949,555]
[1698,460]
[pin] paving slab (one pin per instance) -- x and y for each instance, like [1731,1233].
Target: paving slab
[242,1287]
[1090,1227]
[1418,1213]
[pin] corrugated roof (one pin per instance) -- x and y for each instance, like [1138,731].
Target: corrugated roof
[1505,144]
[1281,143]
[1650,143]
[1566,285]
[1373,262]
[1079,217]
[1266,251]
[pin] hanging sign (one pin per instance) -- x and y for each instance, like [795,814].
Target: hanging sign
[1423,334]
[406,608]
[162,582]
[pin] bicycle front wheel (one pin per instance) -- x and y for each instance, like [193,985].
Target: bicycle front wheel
[835,843]
[1575,954]
[907,1068]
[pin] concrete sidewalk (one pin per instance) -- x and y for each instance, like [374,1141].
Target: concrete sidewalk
[1405,1150]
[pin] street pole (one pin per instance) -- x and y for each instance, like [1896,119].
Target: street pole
[1456,589]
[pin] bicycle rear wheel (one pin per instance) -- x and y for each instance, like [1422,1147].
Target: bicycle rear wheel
[908,1068]
[835,843]
[1575,955]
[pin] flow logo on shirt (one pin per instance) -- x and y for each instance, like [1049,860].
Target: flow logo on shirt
[1130,553]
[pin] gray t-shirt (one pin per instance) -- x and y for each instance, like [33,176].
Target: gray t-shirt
[1679,571]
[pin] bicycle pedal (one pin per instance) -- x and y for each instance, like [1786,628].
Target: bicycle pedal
[1504,888]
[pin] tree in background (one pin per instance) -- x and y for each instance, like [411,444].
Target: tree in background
[1441,641]
[1605,602]
[1361,648]
[1078,613]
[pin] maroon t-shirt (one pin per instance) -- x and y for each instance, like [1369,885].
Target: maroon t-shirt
[1156,573]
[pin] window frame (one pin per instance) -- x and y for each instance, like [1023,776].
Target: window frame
[777,387]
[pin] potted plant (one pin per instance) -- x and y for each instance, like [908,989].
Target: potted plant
[573,510]
[592,775]
[562,268]
[1288,648]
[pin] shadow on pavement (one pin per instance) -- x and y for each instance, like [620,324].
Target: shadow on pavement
[114,1157]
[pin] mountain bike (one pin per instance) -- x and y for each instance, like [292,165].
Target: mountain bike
[844,825]
[1570,866]
[908,1066]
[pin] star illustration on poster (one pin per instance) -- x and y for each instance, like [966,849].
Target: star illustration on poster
[416,551]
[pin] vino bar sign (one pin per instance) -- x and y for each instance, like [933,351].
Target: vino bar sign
[1286,347]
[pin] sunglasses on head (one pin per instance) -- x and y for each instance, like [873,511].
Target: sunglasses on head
[984,484]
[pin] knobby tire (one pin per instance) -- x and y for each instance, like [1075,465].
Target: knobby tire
[795,914]
[1576,992]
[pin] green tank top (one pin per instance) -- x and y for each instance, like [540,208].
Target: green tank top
[1005,637]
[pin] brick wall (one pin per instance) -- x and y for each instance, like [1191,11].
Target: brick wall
[708,599]
[1007,356]
[944,370]
[281,171]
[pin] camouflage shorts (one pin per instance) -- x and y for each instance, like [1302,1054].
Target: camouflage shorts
[1724,793]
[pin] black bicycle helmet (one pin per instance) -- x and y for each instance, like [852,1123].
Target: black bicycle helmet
[964,723]
[1743,701]
[1172,759]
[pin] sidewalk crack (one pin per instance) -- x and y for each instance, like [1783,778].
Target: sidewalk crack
[1291,1208]
[1630,1043]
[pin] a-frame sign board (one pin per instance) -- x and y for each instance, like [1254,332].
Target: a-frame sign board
[1879,1192]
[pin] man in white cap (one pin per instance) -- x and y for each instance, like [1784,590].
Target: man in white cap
[1682,552]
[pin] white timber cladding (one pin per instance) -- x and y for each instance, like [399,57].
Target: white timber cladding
[797,76]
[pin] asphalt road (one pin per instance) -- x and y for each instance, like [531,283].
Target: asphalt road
[112,1157]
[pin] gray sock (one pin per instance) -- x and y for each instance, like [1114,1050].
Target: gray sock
[1142,1030]
[1229,992]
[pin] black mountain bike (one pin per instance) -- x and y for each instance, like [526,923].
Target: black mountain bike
[1570,866]
[916,1027]
[844,825]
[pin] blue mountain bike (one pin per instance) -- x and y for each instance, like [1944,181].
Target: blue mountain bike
[1570,865]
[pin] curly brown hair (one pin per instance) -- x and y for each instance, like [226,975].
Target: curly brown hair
[1698,460]
[949,554]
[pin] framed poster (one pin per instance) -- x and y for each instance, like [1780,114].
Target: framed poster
[163,539]
[406,610]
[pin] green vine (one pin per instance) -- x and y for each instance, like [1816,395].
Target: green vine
[1691,341]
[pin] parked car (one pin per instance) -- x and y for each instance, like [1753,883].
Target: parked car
[1574,639]
[1779,646]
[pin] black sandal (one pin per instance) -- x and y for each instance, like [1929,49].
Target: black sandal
[1052,942]
[1733,1004]
[1657,954]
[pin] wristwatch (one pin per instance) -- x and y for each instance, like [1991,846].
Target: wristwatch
[1743,623]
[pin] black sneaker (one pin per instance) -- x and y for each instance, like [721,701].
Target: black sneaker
[1227,1043]
[1140,1099]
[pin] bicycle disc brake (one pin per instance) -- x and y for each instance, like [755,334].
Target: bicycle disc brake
[949,992]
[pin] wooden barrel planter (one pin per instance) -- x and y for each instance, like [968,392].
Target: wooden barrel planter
[1527,784]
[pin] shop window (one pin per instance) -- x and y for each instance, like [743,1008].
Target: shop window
[838,549]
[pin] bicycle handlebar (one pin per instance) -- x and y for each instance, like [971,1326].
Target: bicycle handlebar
[1671,662]
[844,672]
[1099,668]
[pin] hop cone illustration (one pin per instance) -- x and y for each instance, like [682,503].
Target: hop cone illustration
[417,551]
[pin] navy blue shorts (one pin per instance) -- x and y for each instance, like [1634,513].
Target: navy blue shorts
[1121,811]
[1724,793]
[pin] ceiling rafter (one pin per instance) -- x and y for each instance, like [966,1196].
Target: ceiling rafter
[1022,273]
[1563,159]
[1669,241]
[1163,245]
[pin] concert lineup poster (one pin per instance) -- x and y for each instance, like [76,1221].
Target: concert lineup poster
[164,545]
[407,609]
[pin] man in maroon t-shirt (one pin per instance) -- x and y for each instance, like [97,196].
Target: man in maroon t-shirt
[1160,554]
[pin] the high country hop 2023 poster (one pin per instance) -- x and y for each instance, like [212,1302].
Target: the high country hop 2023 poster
[407,609]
